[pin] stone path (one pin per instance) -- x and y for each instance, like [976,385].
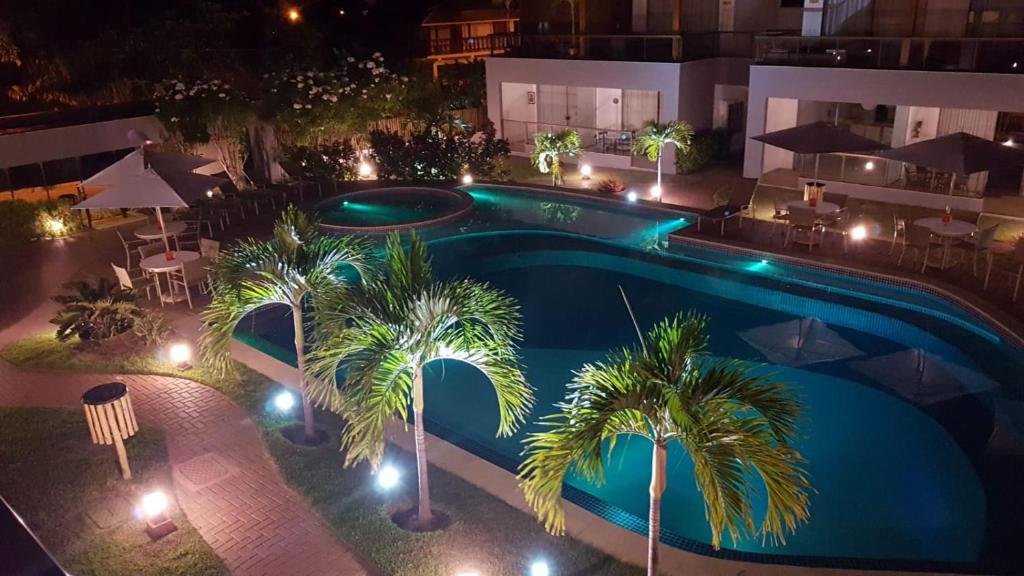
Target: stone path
[224,479]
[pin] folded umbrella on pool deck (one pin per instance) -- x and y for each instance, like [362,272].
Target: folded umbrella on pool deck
[957,154]
[799,342]
[819,138]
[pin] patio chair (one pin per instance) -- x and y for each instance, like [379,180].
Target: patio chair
[151,249]
[129,283]
[919,239]
[737,204]
[839,223]
[209,249]
[899,231]
[190,236]
[129,248]
[190,275]
[802,220]
[981,245]
[781,215]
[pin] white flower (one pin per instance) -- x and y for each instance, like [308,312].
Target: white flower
[179,96]
[388,96]
[297,106]
[370,65]
[300,85]
[300,78]
[309,105]
[226,86]
[377,55]
[274,90]
[222,95]
[350,59]
[174,118]
[405,79]
[179,86]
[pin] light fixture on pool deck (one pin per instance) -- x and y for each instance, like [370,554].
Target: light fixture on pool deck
[631,196]
[656,192]
[585,171]
[467,178]
[1008,142]
[209,193]
[540,568]
[154,509]
[869,165]
[858,232]
[180,354]
[365,170]
[284,401]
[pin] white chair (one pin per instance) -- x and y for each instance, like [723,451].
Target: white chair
[129,283]
[899,231]
[919,239]
[982,243]
[190,275]
[802,220]
[209,249]
[129,247]
[151,249]
[781,215]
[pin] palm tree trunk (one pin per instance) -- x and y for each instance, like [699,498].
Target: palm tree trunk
[654,520]
[300,356]
[424,515]
[661,192]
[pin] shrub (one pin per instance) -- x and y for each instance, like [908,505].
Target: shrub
[432,154]
[95,312]
[697,156]
[610,186]
[17,221]
[54,219]
[332,161]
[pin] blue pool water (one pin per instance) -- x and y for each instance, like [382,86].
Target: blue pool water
[898,469]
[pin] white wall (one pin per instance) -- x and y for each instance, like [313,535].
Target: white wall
[23,148]
[781,114]
[515,103]
[609,109]
[726,94]
[892,87]
[906,129]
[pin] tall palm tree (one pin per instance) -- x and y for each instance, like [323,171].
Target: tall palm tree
[731,424]
[296,268]
[548,149]
[384,336]
[655,136]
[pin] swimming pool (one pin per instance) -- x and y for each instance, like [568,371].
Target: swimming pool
[902,465]
[386,209]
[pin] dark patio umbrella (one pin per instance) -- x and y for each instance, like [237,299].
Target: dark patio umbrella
[819,138]
[958,153]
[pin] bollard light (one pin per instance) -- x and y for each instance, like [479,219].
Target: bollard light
[859,232]
[209,193]
[585,171]
[180,354]
[54,226]
[388,477]
[365,170]
[540,568]
[631,196]
[656,192]
[154,508]
[467,179]
[284,401]
[869,165]
[154,504]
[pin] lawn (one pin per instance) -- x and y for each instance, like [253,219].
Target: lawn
[71,494]
[486,534]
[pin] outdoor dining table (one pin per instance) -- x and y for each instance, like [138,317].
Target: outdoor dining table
[948,232]
[159,264]
[821,209]
[152,232]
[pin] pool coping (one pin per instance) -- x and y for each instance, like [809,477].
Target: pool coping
[464,206]
[627,545]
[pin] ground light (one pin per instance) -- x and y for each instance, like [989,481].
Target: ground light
[154,508]
[180,355]
[656,192]
[365,170]
[54,226]
[585,171]
[631,196]
[859,232]
[1009,142]
[467,573]
[467,179]
[540,568]
[869,165]
[388,477]
[284,401]
[209,193]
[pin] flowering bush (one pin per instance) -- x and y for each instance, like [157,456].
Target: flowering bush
[435,155]
[192,108]
[332,161]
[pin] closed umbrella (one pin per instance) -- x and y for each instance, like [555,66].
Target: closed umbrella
[923,377]
[819,138]
[960,153]
[799,342]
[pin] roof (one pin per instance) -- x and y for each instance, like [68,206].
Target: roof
[444,15]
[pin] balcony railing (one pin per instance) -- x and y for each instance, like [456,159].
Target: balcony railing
[493,44]
[634,47]
[999,55]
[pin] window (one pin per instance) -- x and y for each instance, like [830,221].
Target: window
[791,3]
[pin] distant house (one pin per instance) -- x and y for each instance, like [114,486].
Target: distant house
[456,35]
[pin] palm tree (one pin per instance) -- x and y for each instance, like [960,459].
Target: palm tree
[656,135]
[296,268]
[731,423]
[384,336]
[548,149]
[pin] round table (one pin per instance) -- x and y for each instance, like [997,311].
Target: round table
[152,232]
[820,209]
[158,263]
[948,231]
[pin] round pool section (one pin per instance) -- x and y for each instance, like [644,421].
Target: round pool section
[390,209]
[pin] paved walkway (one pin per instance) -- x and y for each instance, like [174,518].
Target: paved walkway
[224,479]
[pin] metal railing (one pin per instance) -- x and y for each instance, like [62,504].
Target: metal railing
[493,43]
[638,47]
[999,55]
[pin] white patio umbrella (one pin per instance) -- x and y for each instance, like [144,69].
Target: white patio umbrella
[923,377]
[157,180]
[799,342]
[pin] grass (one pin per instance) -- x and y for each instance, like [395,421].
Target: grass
[58,481]
[486,534]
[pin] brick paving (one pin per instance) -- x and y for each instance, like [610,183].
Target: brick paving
[224,479]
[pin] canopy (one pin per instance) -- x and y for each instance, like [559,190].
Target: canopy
[958,153]
[819,138]
[923,377]
[168,182]
[799,342]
